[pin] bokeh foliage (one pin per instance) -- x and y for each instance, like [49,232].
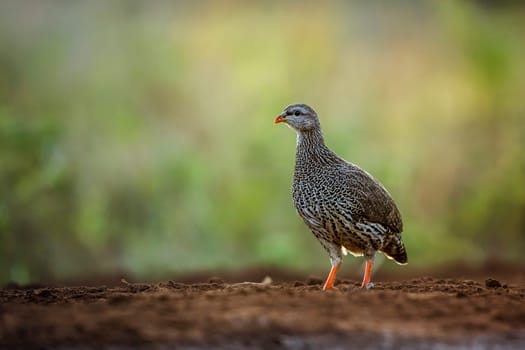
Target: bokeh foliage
[137,137]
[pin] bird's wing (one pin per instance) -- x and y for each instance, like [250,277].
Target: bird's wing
[374,203]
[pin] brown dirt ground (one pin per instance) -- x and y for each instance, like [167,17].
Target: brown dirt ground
[479,312]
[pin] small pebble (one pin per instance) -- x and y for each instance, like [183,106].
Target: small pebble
[216,280]
[492,283]
[43,293]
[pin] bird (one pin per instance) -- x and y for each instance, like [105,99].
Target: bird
[345,207]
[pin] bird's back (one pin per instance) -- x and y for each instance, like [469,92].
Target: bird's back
[375,203]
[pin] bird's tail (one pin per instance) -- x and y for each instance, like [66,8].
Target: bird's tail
[395,250]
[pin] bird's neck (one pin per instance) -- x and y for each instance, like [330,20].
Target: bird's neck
[311,148]
[310,139]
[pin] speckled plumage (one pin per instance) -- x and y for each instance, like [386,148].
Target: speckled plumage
[343,205]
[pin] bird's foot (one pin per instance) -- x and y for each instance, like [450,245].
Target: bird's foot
[329,284]
[331,289]
[369,285]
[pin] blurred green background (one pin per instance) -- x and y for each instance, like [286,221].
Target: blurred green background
[137,137]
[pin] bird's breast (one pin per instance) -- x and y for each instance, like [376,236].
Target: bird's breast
[313,199]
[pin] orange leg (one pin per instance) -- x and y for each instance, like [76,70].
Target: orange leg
[368,274]
[331,277]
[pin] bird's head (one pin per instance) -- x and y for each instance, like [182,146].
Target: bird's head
[300,117]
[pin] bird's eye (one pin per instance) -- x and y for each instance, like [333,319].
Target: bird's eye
[297,113]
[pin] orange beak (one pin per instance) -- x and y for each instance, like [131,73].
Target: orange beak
[279,119]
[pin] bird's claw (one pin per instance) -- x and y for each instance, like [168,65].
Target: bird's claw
[369,285]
